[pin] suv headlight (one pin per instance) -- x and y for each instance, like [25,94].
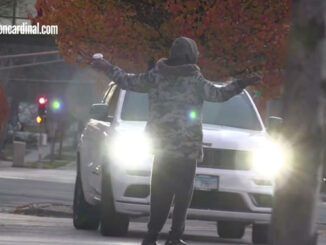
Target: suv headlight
[268,160]
[130,150]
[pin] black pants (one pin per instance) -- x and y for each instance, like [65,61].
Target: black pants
[171,178]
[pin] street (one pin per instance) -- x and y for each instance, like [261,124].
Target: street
[40,230]
[20,187]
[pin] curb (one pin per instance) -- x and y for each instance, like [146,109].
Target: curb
[44,210]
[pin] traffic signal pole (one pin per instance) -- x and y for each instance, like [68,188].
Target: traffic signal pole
[55,115]
[39,148]
[41,119]
[53,133]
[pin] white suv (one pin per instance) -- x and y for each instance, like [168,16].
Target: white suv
[114,167]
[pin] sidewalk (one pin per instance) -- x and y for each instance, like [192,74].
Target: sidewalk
[33,156]
[5,164]
[49,175]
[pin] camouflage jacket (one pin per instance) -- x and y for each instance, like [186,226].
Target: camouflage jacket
[176,96]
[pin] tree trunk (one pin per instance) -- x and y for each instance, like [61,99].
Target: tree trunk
[297,189]
[53,133]
[61,138]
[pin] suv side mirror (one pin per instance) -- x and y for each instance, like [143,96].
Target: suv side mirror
[274,124]
[100,112]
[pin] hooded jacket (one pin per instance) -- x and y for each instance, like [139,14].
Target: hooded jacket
[176,95]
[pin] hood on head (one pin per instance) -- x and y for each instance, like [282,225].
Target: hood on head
[171,71]
[184,51]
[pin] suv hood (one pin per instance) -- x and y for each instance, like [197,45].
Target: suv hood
[214,136]
[223,137]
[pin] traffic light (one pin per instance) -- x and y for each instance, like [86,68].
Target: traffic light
[42,102]
[39,120]
[56,105]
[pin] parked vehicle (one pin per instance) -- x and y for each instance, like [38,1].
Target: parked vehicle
[233,183]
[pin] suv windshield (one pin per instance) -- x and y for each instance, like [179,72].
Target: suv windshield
[236,112]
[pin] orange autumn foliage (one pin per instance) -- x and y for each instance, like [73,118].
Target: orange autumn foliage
[235,37]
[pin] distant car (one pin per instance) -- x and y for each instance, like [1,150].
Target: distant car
[232,186]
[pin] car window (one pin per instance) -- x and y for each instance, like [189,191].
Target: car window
[237,112]
[111,98]
[135,107]
[109,93]
[113,101]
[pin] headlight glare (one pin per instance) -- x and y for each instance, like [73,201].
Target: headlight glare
[268,160]
[130,150]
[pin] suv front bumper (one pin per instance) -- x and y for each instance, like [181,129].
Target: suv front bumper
[236,198]
[136,209]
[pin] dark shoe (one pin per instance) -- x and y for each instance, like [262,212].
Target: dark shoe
[175,242]
[149,243]
[150,239]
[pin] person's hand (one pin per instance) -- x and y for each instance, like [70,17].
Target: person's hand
[254,79]
[251,80]
[99,63]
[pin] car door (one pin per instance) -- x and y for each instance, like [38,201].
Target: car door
[89,150]
[100,143]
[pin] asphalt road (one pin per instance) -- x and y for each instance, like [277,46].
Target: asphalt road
[29,230]
[19,187]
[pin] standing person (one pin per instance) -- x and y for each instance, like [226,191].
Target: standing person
[176,90]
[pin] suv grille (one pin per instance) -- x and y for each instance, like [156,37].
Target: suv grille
[225,201]
[262,200]
[225,159]
[138,191]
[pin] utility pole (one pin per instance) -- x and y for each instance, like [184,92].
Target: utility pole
[297,190]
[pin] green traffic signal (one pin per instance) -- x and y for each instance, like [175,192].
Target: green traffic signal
[56,105]
[193,114]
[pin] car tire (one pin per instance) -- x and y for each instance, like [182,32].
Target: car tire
[112,223]
[260,233]
[85,215]
[230,229]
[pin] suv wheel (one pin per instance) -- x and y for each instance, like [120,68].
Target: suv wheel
[230,229]
[112,223]
[260,233]
[85,216]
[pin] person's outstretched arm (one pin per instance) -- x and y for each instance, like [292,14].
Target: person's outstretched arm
[136,82]
[219,93]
